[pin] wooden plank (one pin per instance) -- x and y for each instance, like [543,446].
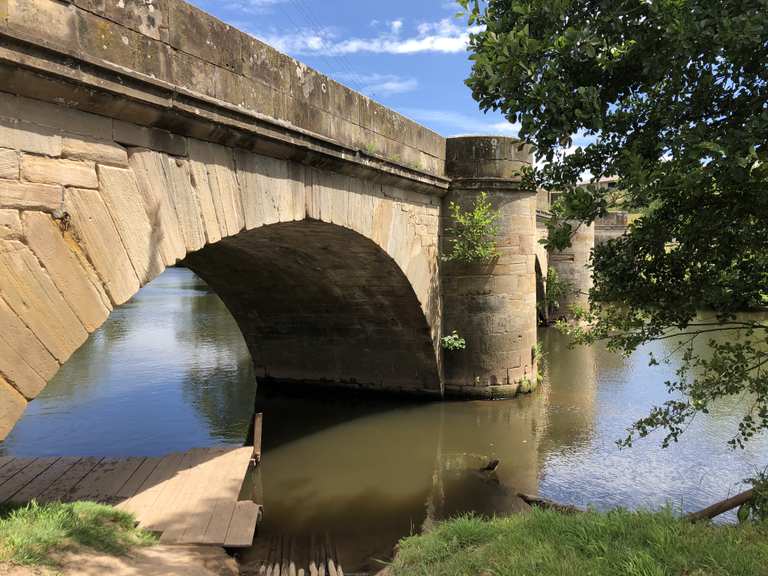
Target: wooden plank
[24,477]
[177,517]
[221,497]
[60,489]
[119,477]
[242,528]
[89,488]
[148,493]
[44,481]
[216,532]
[197,508]
[107,477]
[163,511]
[13,467]
[137,479]
[258,422]
[5,460]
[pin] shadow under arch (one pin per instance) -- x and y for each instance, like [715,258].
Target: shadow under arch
[320,304]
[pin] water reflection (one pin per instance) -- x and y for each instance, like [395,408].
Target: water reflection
[170,371]
[167,371]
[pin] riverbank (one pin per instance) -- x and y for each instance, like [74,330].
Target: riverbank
[84,538]
[548,543]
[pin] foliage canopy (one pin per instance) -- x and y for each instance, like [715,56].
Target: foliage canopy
[670,97]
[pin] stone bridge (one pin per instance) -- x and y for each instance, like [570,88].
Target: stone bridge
[142,134]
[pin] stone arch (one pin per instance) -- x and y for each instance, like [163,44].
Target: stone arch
[81,235]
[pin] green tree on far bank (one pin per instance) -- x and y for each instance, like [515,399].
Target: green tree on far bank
[670,97]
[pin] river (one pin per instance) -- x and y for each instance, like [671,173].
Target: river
[170,371]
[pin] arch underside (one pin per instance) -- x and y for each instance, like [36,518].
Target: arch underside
[320,304]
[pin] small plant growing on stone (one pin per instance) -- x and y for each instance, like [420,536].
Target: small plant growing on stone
[454,342]
[473,234]
[370,148]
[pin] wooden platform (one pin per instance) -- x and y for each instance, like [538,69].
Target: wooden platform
[188,497]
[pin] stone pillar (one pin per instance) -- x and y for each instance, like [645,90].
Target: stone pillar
[572,266]
[492,305]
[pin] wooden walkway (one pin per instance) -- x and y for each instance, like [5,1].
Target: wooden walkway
[188,497]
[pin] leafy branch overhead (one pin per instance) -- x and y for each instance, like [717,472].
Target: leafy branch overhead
[671,98]
[472,234]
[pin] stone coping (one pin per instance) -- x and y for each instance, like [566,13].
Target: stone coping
[192,53]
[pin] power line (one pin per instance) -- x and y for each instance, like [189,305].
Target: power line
[354,78]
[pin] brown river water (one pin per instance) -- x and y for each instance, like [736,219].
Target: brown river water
[170,371]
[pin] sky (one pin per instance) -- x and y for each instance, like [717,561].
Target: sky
[410,55]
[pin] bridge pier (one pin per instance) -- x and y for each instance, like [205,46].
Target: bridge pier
[491,305]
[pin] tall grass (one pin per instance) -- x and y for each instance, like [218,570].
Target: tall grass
[32,533]
[619,543]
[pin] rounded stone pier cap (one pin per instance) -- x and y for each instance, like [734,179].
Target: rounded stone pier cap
[499,157]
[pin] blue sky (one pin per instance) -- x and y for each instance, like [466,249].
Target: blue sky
[409,55]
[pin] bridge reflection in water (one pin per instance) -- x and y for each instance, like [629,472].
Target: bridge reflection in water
[368,471]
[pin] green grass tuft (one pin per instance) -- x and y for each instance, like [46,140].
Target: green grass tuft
[619,543]
[30,534]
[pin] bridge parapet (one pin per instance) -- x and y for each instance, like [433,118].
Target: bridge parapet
[166,55]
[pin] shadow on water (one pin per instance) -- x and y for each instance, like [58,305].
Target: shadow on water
[170,371]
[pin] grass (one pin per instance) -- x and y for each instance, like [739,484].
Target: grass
[620,543]
[30,534]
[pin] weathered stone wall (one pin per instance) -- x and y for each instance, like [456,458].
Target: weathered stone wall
[89,213]
[492,305]
[572,266]
[170,43]
[611,226]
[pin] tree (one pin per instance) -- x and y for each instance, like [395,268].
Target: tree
[671,97]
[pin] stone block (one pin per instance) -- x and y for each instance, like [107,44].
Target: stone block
[200,34]
[29,137]
[10,224]
[213,170]
[28,196]
[47,21]
[9,164]
[140,236]
[44,170]
[12,406]
[198,159]
[96,234]
[151,170]
[106,40]
[193,73]
[36,114]
[80,287]
[24,361]
[152,138]
[149,17]
[262,62]
[33,296]
[248,171]
[153,58]
[101,151]
[184,200]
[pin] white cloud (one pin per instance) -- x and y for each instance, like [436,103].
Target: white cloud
[464,124]
[381,84]
[443,36]
[252,6]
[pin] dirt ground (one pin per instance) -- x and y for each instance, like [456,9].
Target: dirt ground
[152,561]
